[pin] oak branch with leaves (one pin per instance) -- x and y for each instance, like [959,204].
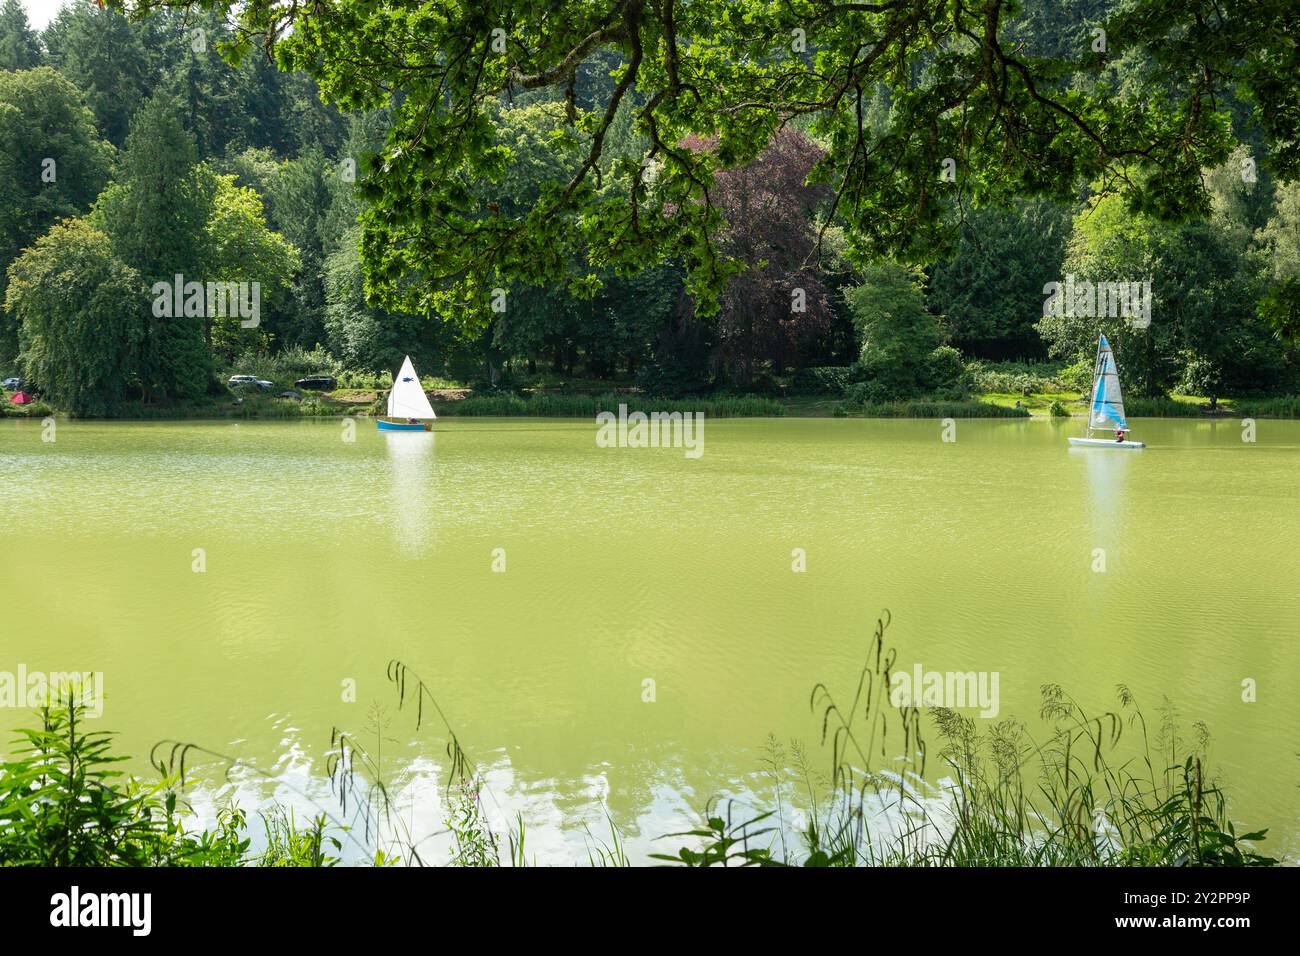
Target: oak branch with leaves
[896,93]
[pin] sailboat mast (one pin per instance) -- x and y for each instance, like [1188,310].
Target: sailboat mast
[1096,374]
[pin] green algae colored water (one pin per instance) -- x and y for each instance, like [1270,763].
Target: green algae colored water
[618,630]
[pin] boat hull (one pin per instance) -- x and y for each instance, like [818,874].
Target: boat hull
[1106,443]
[384,426]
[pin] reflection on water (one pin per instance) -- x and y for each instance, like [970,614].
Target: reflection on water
[413,502]
[1107,470]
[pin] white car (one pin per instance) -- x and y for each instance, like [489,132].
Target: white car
[235,381]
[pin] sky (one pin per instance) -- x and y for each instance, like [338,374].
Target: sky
[41,12]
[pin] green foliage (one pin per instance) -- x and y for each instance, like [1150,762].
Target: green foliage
[649,214]
[1025,378]
[1203,279]
[238,247]
[64,803]
[990,291]
[1285,406]
[944,81]
[1075,798]
[157,216]
[725,842]
[30,410]
[82,313]
[903,353]
[19,47]
[52,165]
[587,406]
[368,338]
[288,844]
[856,404]
[109,61]
[475,843]
[829,380]
[1279,244]
[302,195]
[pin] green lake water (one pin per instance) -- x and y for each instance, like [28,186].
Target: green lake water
[324,559]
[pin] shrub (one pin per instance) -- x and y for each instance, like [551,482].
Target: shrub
[36,409]
[1033,378]
[1284,406]
[1160,408]
[921,408]
[61,805]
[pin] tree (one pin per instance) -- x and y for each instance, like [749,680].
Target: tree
[1279,242]
[157,216]
[209,95]
[240,248]
[903,354]
[301,197]
[1201,331]
[775,308]
[52,165]
[82,312]
[365,336]
[19,47]
[105,56]
[991,291]
[956,86]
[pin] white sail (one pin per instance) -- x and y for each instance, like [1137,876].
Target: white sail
[1107,410]
[406,399]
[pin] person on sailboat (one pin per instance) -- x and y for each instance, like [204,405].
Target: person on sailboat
[1119,434]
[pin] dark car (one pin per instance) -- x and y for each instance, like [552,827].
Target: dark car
[317,383]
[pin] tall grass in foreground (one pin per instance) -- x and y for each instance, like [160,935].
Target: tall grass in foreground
[64,803]
[1071,799]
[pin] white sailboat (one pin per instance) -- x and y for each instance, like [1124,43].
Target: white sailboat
[1106,412]
[408,407]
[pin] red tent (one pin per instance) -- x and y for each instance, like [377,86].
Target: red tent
[21,398]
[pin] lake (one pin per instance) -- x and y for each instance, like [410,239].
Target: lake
[618,630]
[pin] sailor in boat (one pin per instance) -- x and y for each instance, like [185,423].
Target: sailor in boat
[1119,434]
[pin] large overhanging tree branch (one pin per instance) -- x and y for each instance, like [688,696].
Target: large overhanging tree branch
[957,95]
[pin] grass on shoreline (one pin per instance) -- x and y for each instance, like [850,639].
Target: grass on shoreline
[459,402]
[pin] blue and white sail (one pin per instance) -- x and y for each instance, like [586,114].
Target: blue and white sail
[1107,409]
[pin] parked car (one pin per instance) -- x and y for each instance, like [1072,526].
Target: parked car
[238,381]
[317,383]
[14,384]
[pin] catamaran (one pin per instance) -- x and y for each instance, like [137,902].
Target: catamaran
[408,407]
[1107,409]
